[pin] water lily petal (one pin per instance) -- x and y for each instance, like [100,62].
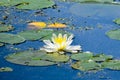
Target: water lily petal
[73,48]
[48,49]
[69,42]
[70,37]
[59,35]
[48,42]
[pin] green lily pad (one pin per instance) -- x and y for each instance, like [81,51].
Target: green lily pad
[102,57]
[82,56]
[29,58]
[48,37]
[117,21]
[11,38]
[86,66]
[102,10]
[9,2]
[4,28]
[55,57]
[35,34]
[90,1]
[112,64]
[97,1]
[6,69]
[114,34]
[1,44]
[27,4]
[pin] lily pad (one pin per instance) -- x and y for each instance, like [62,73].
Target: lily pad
[6,69]
[114,34]
[11,38]
[27,4]
[82,56]
[97,1]
[112,64]
[102,57]
[97,10]
[29,58]
[86,66]
[92,1]
[55,57]
[4,28]
[35,34]
[117,21]
[48,37]
[1,44]
[36,4]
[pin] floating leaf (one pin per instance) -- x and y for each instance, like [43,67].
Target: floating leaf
[91,1]
[1,44]
[6,69]
[56,57]
[5,28]
[37,25]
[112,64]
[86,66]
[82,56]
[98,1]
[29,58]
[9,2]
[102,57]
[117,21]
[39,63]
[114,34]
[35,34]
[11,38]
[57,25]
[27,4]
[102,10]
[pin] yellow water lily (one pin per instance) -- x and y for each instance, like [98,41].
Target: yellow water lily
[60,43]
[57,25]
[37,25]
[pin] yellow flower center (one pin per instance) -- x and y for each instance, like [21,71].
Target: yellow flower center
[61,42]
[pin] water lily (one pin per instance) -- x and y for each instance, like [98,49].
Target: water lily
[60,43]
[37,25]
[57,25]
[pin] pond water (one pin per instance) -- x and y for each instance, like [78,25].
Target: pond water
[98,18]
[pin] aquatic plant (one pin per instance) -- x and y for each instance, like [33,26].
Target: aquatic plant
[27,4]
[11,38]
[60,44]
[5,28]
[1,44]
[37,25]
[114,34]
[6,69]
[36,58]
[57,25]
[117,21]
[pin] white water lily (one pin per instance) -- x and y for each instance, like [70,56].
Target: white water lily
[60,43]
